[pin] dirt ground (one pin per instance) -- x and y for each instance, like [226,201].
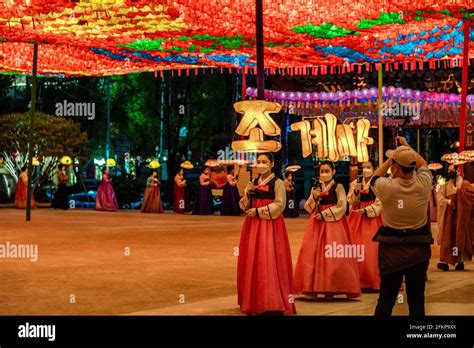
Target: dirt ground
[99,263]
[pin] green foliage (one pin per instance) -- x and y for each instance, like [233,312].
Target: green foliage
[52,136]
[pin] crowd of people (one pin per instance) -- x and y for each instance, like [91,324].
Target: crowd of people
[371,239]
[386,218]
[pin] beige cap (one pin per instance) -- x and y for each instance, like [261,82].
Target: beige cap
[403,155]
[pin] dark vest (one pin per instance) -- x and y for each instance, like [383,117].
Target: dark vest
[331,198]
[261,194]
[367,197]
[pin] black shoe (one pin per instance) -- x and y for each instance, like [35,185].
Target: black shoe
[443,266]
[460,266]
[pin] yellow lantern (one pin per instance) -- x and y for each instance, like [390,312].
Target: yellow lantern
[66,160]
[154,164]
[111,162]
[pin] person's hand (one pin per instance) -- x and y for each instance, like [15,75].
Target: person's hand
[448,201]
[251,212]
[402,141]
[316,192]
[358,211]
[318,216]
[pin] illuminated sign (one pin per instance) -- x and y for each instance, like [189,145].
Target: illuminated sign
[334,140]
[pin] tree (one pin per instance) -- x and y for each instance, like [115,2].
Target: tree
[53,137]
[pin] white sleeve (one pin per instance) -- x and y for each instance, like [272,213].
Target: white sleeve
[374,209]
[274,209]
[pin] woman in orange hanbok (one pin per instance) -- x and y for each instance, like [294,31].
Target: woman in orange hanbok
[22,190]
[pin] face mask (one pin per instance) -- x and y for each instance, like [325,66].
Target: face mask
[366,173]
[325,177]
[263,168]
[452,175]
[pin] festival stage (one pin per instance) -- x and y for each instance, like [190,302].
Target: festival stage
[175,265]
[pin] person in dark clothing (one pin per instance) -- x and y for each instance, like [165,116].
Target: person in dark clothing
[405,237]
[61,198]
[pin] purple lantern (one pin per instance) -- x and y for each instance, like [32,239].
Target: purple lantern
[365,93]
[332,96]
[315,96]
[356,93]
[340,95]
[324,96]
[374,92]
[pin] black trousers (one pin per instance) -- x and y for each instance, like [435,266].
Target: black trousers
[415,290]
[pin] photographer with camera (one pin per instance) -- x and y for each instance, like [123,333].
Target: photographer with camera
[405,237]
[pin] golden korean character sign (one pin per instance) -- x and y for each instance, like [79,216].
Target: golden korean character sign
[255,123]
[334,140]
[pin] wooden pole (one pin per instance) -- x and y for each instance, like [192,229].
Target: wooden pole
[465,70]
[260,51]
[31,147]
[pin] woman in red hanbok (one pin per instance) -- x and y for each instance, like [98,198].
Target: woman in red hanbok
[106,199]
[364,221]
[264,269]
[327,262]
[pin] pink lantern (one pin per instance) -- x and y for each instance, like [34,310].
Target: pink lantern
[283,95]
[452,98]
[356,93]
[315,96]
[307,96]
[332,96]
[324,96]
[417,94]
[424,95]
[299,95]
[391,91]
[365,92]
[374,92]
[384,91]
[340,95]
[399,92]
[347,95]
[408,93]
[249,91]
